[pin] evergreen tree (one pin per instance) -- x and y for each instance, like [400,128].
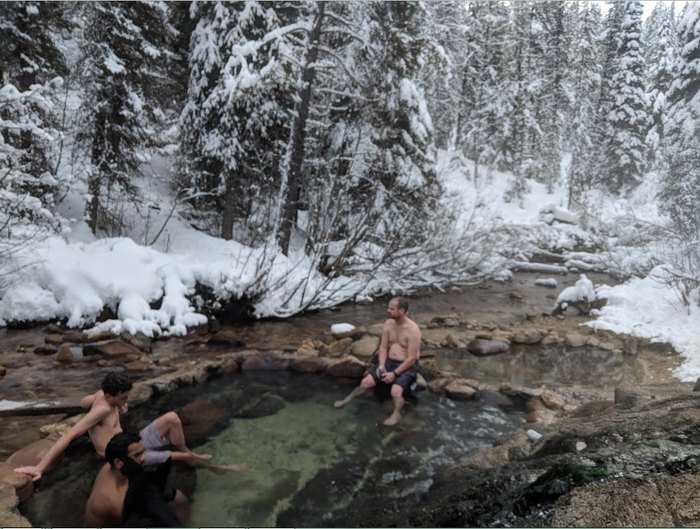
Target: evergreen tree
[661,52]
[623,114]
[584,84]
[680,190]
[236,120]
[125,56]
[486,93]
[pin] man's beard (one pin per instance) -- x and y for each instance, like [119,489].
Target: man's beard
[131,468]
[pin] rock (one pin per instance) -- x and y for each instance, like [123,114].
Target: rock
[3,371]
[461,389]
[480,347]
[138,366]
[64,354]
[226,337]
[451,341]
[307,348]
[438,385]
[261,406]
[55,430]
[340,348]
[110,348]
[549,282]
[45,350]
[529,336]
[22,484]
[98,336]
[421,382]
[628,398]
[365,347]
[348,366]
[630,346]
[200,418]
[552,400]
[696,387]
[139,340]
[307,364]
[31,454]
[265,362]
[341,328]
[74,336]
[533,435]
[550,339]
[53,339]
[575,340]
[626,503]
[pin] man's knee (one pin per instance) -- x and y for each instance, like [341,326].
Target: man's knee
[367,382]
[170,420]
[396,391]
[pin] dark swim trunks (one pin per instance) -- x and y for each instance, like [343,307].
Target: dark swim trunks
[404,379]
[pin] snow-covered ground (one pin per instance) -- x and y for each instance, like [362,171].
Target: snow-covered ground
[74,276]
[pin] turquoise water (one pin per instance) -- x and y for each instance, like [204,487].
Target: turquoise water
[306,461]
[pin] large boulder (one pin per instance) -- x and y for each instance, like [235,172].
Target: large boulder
[365,347]
[348,366]
[200,418]
[31,454]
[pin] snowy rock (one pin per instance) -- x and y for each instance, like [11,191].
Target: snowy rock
[581,295]
[533,435]
[340,328]
[550,282]
[551,213]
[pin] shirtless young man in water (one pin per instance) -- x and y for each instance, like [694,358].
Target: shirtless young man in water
[122,489]
[398,359]
[102,422]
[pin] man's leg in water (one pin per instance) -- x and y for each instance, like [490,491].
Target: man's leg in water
[367,383]
[397,397]
[170,427]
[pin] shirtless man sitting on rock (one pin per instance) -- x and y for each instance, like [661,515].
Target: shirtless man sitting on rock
[102,423]
[398,359]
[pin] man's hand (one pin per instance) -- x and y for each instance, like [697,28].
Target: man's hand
[34,472]
[389,377]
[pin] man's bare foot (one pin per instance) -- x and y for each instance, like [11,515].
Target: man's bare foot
[392,420]
[340,403]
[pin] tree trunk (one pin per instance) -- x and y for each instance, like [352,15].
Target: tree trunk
[227,215]
[296,157]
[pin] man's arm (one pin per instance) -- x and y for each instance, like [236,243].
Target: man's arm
[91,418]
[383,347]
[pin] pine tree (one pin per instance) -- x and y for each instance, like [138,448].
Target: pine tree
[486,92]
[585,87]
[623,113]
[125,58]
[661,51]
[236,120]
[680,191]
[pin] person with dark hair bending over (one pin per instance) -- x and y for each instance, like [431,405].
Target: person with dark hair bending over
[399,352]
[102,422]
[125,494]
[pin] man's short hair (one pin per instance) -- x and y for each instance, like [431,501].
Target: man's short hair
[118,446]
[115,383]
[401,303]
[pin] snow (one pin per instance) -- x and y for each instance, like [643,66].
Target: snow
[152,289]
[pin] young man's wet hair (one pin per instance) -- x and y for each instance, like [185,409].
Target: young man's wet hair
[115,383]
[118,446]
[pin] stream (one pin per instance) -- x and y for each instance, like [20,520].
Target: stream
[306,460]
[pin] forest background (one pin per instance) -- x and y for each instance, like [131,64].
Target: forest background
[161,161]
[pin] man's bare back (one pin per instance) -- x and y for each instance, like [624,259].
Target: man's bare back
[104,507]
